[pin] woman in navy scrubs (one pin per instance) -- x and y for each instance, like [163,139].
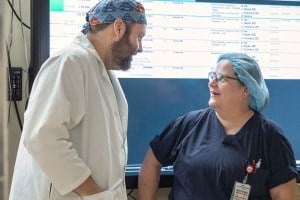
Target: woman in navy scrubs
[228,150]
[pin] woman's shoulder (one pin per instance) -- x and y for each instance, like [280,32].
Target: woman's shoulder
[270,129]
[199,112]
[267,124]
[196,115]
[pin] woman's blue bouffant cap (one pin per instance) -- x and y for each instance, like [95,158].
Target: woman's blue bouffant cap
[249,73]
[107,11]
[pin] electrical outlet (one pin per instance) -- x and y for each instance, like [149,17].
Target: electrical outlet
[15,88]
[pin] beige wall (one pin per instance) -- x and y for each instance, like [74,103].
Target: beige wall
[162,194]
[3,110]
[18,38]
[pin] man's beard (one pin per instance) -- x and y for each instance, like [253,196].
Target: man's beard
[122,52]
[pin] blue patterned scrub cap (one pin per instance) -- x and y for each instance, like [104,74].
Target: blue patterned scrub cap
[249,73]
[107,11]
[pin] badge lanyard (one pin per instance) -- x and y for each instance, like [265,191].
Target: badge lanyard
[251,168]
[241,191]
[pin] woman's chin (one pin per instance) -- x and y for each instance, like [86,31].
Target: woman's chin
[211,103]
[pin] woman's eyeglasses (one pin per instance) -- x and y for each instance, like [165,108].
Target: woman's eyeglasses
[219,77]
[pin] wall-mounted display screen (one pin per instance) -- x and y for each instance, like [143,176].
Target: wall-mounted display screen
[184,37]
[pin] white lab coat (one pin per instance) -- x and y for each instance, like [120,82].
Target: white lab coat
[74,126]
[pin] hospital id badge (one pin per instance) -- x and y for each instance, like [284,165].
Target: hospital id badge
[240,191]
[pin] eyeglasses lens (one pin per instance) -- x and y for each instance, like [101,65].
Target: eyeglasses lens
[214,75]
[211,76]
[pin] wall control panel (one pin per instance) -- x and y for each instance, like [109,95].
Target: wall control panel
[15,86]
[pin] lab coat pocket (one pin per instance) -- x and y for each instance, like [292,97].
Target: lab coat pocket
[105,195]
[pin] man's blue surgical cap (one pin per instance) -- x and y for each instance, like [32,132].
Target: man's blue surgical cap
[107,11]
[249,73]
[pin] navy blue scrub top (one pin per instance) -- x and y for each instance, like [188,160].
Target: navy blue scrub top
[207,161]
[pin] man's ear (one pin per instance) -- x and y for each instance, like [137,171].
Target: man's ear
[119,29]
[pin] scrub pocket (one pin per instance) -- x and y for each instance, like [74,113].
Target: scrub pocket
[105,195]
[258,182]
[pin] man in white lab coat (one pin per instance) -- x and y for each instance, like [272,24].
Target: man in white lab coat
[74,145]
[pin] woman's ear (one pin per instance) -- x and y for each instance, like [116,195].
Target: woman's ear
[246,92]
[119,29]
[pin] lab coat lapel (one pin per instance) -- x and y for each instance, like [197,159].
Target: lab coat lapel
[121,101]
